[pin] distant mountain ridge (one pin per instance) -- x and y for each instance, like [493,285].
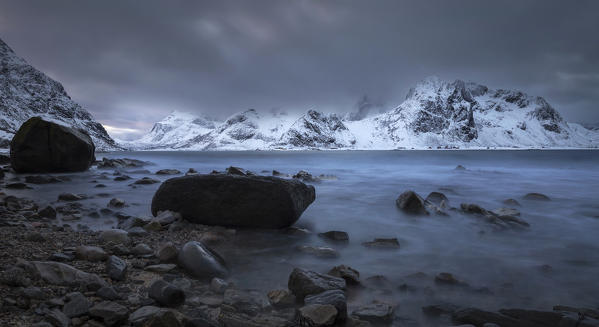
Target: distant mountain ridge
[26,92]
[435,114]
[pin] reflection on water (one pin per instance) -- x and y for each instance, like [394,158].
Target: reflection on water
[554,262]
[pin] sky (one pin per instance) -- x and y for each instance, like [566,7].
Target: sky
[130,63]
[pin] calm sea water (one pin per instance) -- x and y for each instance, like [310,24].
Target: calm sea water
[555,261]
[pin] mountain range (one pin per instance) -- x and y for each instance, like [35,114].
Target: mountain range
[26,92]
[435,114]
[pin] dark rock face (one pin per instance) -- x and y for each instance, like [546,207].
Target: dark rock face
[239,201]
[40,146]
[201,262]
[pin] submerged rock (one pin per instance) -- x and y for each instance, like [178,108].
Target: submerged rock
[168,172]
[536,197]
[201,261]
[319,251]
[383,243]
[231,200]
[120,163]
[41,146]
[337,236]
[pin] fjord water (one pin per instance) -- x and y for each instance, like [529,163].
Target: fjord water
[555,261]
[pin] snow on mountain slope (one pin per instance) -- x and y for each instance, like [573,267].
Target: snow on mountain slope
[26,92]
[435,114]
[174,131]
[317,130]
[467,115]
[248,130]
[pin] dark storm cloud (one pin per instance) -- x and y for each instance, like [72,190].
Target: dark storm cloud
[131,62]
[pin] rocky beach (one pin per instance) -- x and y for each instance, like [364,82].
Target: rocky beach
[91,259]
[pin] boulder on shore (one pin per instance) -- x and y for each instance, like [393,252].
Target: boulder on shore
[41,146]
[233,200]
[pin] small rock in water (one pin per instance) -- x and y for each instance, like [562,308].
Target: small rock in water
[383,243]
[116,203]
[319,251]
[168,172]
[506,212]
[122,178]
[281,298]
[191,172]
[166,294]
[460,167]
[445,278]
[437,198]
[412,203]
[306,177]
[536,197]
[334,235]
[304,282]
[238,171]
[351,276]
[317,315]
[375,313]
[511,202]
[146,181]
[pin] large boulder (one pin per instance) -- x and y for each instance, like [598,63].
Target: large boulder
[233,200]
[41,146]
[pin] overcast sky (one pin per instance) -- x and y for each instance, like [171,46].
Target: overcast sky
[132,62]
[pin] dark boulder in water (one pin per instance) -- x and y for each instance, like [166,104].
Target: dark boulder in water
[232,200]
[412,203]
[41,146]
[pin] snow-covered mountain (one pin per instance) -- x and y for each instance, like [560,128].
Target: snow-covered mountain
[435,114]
[26,92]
